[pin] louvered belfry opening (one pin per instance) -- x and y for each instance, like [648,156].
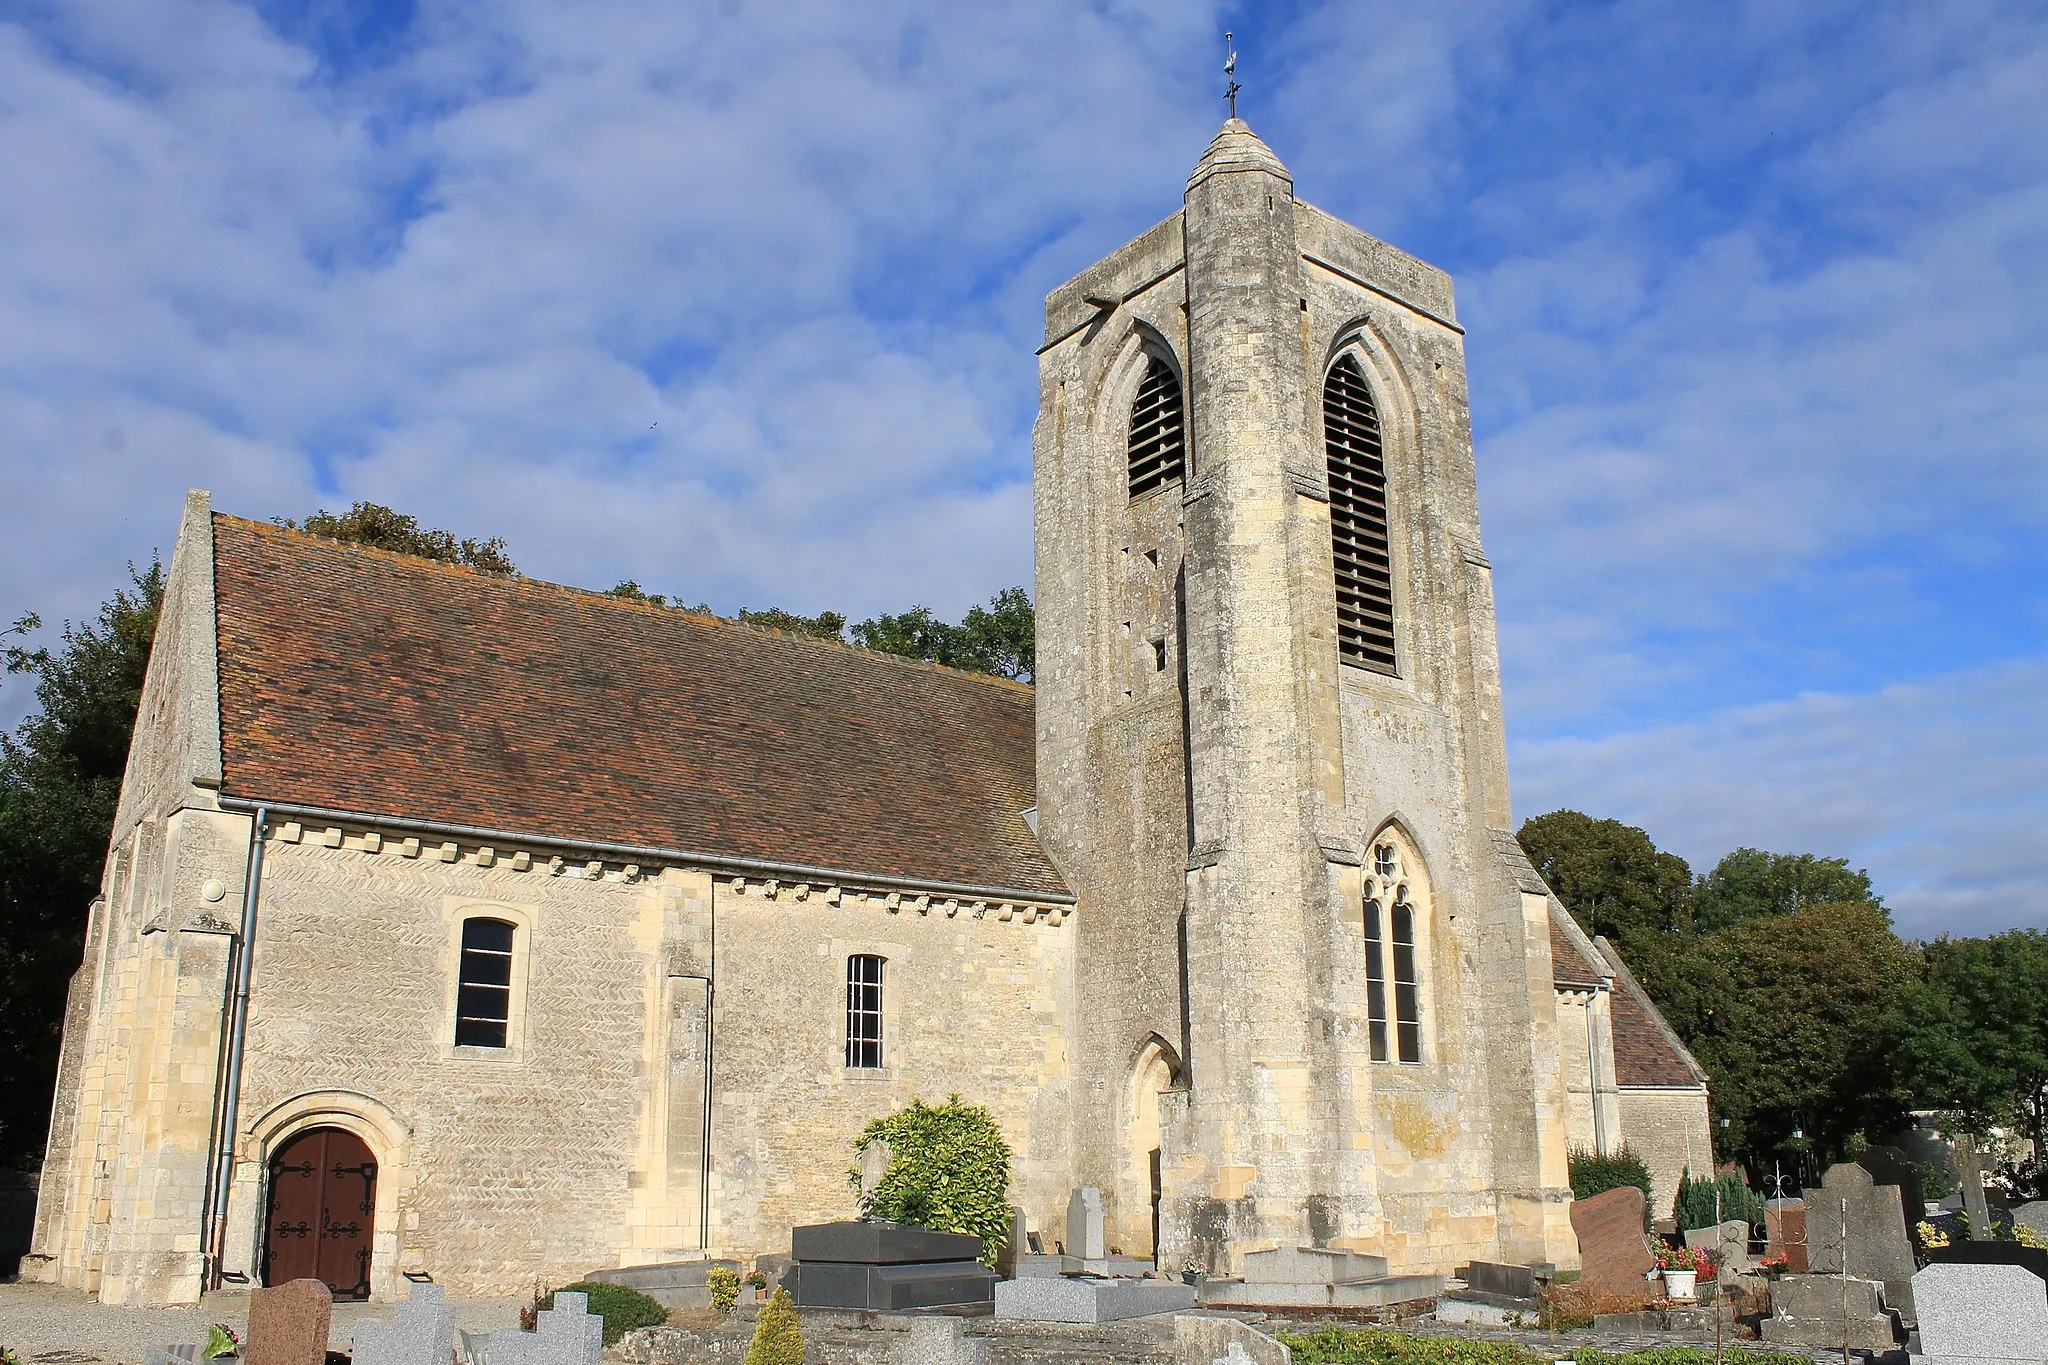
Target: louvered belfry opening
[1358,520]
[1158,434]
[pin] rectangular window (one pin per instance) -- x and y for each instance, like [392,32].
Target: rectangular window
[1407,990]
[483,998]
[863,1011]
[1375,981]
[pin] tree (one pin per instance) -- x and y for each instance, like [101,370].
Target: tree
[1752,884]
[1972,1039]
[60,778]
[1000,638]
[826,625]
[1793,1031]
[1609,875]
[368,523]
[949,1170]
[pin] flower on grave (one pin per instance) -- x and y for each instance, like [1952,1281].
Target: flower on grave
[1777,1262]
[1696,1259]
[221,1341]
[1930,1235]
[1193,1268]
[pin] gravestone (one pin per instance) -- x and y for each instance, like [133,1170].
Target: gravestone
[1981,1314]
[172,1355]
[1017,1246]
[874,1164]
[887,1268]
[1496,1295]
[1891,1166]
[1614,1256]
[1857,1227]
[421,1332]
[1223,1341]
[1785,1233]
[1729,1242]
[938,1341]
[1828,1310]
[288,1325]
[1311,1265]
[567,1334]
[1084,1225]
[2033,1217]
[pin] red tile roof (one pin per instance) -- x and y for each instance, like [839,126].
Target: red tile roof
[1642,1054]
[1568,966]
[366,681]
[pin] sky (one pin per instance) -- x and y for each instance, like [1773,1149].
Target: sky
[739,300]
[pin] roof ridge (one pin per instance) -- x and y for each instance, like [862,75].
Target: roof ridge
[421,563]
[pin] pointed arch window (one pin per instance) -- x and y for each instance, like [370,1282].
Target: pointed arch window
[1358,520]
[1390,960]
[1158,442]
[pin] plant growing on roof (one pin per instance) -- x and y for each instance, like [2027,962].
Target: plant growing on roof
[949,1170]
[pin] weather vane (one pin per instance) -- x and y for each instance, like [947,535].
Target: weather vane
[1230,70]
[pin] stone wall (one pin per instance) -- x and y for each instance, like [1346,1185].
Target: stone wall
[1670,1130]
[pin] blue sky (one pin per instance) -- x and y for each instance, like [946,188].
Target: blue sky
[739,300]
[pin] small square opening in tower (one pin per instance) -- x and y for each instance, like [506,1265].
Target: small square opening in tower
[1159,656]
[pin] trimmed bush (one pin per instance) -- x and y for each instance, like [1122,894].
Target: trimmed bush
[1370,1346]
[778,1336]
[724,1283]
[1728,1193]
[1596,1173]
[621,1308]
[949,1170]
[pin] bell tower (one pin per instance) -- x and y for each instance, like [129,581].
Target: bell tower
[1270,752]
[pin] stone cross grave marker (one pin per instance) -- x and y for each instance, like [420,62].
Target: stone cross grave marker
[1857,1227]
[567,1334]
[422,1332]
[1891,1166]
[288,1325]
[1084,1225]
[1981,1313]
[1614,1255]
[1729,1242]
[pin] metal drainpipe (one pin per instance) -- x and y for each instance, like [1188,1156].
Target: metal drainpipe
[238,1032]
[1593,1076]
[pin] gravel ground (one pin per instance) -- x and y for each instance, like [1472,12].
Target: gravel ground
[45,1325]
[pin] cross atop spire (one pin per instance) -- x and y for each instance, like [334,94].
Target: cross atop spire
[1230,71]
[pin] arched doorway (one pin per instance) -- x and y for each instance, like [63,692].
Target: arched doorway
[1156,1071]
[321,1212]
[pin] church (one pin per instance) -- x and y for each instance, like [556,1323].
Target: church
[492,931]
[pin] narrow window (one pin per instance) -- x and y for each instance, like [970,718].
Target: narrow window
[1158,447]
[864,1011]
[483,999]
[1375,980]
[1407,990]
[1358,520]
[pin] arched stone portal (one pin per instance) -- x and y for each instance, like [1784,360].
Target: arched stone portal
[1155,1071]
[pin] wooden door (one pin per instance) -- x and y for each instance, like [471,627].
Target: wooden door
[323,1197]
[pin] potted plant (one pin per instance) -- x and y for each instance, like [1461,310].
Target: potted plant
[1682,1267]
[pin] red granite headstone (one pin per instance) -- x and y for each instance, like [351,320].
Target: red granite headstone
[288,1325]
[1785,1233]
[1614,1255]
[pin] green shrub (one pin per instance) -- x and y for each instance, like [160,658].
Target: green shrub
[949,1170]
[621,1308]
[778,1336]
[1597,1173]
[1727,1195]
[724,1283]
[1370,1346]
[1687,1355]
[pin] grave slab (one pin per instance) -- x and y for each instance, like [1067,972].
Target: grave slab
[1614,1255]
[1828,1310]
[1311,1265]
[1981,1313]
[938,1341]
[1075,1299]
[1223,1341]
[1363,1294]
[875,1242]
[288,1324]
[2033,1216]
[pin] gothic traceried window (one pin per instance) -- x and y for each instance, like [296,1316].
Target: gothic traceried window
[1358,520]
[1158,442]
[1390,933]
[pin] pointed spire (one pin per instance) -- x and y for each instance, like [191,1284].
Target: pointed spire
[1237,148]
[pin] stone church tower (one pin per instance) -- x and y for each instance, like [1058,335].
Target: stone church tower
[1315,984]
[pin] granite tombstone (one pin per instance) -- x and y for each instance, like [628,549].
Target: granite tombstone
[421,1332]
[1981,1313]
[288,1325]
[1857,1227]
[1785,1233]
[1614,1255]
[887,1268]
